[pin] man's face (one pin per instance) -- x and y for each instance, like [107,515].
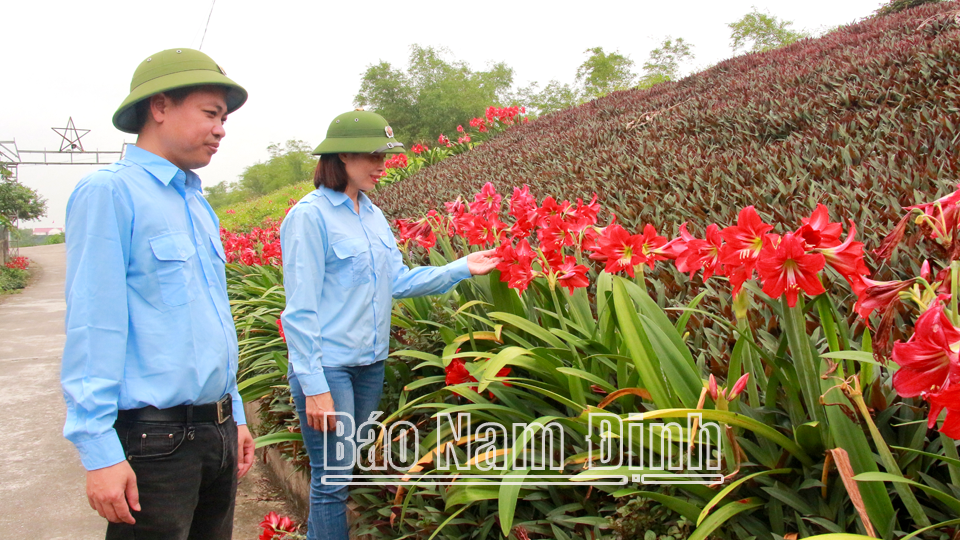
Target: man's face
[191,131]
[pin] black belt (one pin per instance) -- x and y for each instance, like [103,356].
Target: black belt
[216,413]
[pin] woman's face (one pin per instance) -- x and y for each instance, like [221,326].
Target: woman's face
[363,170]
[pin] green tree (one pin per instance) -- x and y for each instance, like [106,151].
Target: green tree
[758,32]
[288,164]
[17,201]
[554,96]
[603,73]
[665,60]
[433,95]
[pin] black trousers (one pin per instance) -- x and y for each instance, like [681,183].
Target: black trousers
[187,479]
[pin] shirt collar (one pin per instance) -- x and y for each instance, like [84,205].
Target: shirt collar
[338,198]
[160,168]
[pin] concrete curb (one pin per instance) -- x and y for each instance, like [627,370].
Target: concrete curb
[294,484]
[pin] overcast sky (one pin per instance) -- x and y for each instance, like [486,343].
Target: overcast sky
[301,61]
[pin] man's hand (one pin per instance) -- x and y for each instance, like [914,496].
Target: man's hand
[244,451]
[482,263]
[109,490]
[320,412]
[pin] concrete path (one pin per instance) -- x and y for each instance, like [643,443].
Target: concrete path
[42,490]
[42,483]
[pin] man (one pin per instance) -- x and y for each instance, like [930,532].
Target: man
[149,366]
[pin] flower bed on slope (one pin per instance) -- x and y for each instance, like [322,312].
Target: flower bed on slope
[864,119]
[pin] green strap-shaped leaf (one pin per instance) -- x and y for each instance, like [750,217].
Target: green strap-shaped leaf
[279,437]
[917,533]
[509,493]
[739,420]
[498,362]
[528,327]
[685,381]
[680,506]
[631,331]
[729,489]
[950,501]
[724,514]
[588,377]
[944,459]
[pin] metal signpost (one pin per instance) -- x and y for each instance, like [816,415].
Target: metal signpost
[71,152]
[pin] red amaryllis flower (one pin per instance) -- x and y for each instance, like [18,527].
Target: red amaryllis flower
[939,219]
[419,148]
[551,208]
[743,244]
[397,162]
[589,238]
[280,329]
[584,215]
[947,399]
[522,203]
[523,208]
[928,360]
[879,295]
[818,231]
[516,265]
[697,254]
[274,526]
[456,207]
[487,202]
[420,232]
[571,275]
[654,247]
[480,231]
[620,250]
[456,373]
[442,139]
[847,259]
[555,234]
[551,260]
[785,266]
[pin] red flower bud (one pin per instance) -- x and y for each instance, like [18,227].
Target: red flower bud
[712,388]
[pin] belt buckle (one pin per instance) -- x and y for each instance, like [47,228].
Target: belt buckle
[222,415]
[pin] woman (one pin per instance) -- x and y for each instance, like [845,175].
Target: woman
[341,270]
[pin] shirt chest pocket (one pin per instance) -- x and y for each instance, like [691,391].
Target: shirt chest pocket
[175,255]
[384,254]
[350,264]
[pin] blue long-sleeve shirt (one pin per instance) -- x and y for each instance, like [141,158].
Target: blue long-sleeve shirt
[341,271]
[148,320]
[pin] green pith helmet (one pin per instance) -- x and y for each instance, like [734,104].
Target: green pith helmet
[359,132]
[170,69]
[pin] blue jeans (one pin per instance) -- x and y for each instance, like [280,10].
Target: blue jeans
[356,391]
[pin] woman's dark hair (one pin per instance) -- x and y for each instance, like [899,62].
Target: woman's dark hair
[331,172]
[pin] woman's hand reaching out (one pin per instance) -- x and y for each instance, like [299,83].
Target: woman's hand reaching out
[482,263]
